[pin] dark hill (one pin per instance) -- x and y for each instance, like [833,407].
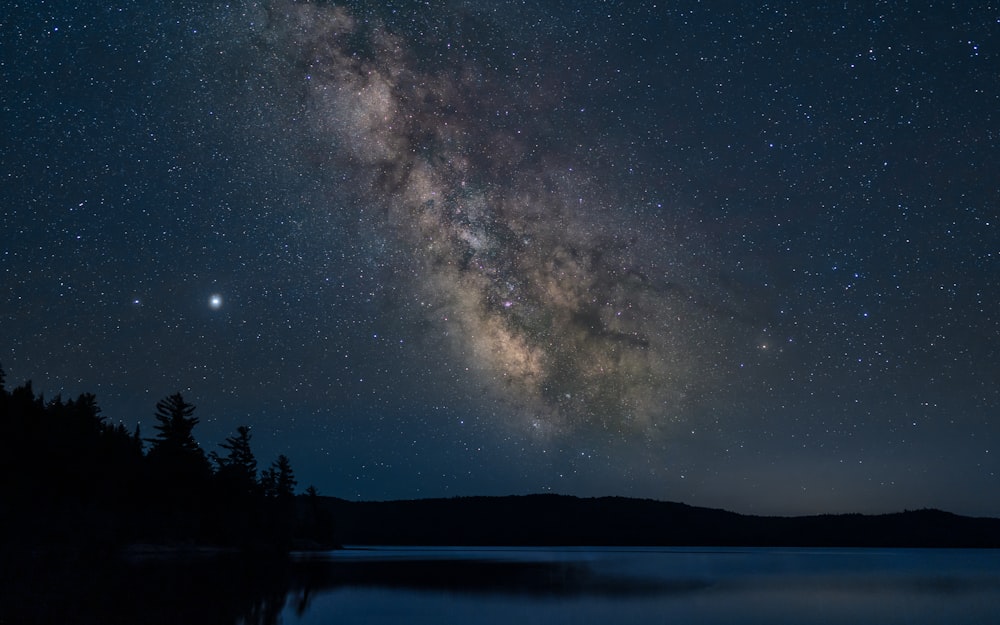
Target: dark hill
[563,520]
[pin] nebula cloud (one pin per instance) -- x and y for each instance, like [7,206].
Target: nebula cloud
[532,266]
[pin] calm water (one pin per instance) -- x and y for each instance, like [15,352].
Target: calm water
[510,586]
[655,585]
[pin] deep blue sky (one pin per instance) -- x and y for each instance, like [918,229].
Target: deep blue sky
[740,255]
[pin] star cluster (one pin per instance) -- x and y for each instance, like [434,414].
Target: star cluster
[742,256]
[539,275]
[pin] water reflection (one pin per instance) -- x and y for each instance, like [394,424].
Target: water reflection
[707,586]
[195,589]
[245,590]
[503,585]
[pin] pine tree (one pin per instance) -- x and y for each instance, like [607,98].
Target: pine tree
[285,485]
[238,469]
[179,469]
[175,427]
[278,480]
[269,481]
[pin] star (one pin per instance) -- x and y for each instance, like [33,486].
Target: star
[580,255]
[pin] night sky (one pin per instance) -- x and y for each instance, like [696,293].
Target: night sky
[735,254]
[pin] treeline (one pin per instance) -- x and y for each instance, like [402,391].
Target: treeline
[549,520]
[71,478]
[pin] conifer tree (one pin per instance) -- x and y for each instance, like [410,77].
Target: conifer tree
[175,427]
[238,468]
[178,465]
[278,480]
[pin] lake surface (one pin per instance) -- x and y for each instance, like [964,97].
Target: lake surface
[649,585]
[509,586]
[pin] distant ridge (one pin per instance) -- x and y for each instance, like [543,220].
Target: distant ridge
[561,520]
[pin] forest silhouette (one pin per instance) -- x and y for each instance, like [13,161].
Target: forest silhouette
[72,479]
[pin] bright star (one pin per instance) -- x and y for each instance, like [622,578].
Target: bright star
[215,302]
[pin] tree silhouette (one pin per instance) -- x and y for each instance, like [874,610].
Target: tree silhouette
[278,480]
[70,477]
[238,515]
[64,472]
[237,470]
[316,523]
[73,432]
[175,428]
[179,472]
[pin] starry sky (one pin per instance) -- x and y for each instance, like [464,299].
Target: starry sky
[740,255]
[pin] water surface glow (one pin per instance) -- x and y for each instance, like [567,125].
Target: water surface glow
[640,585]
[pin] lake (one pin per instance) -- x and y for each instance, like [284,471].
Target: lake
[654,585]
[517,586]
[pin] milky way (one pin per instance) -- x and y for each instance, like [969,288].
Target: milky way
[733,254]
[534,271]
